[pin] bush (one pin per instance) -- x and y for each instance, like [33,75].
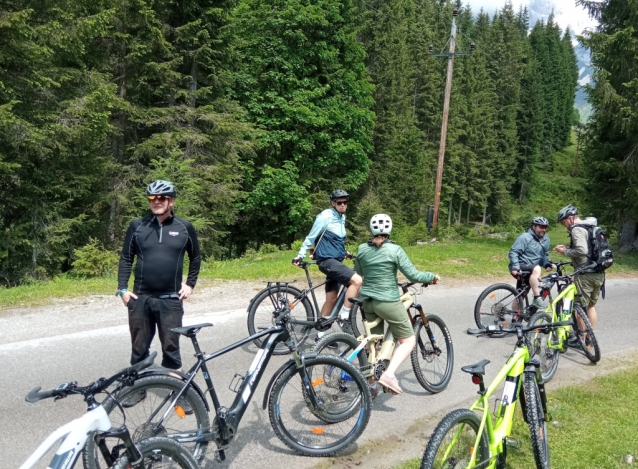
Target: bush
[268,248]
[296,246]
[92,260]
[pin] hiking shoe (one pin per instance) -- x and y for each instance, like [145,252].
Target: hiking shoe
[539,303]
[134,399]
[573,342]
[332,346]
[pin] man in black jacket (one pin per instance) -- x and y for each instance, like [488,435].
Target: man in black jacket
[159,240]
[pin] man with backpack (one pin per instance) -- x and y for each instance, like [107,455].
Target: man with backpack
[588,246]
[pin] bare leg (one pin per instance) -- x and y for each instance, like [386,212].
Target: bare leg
[353,290]
[402,352]
[535,280]
[592,315]
[331,299]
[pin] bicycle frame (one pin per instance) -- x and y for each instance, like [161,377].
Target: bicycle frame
[512,374]
[566,299]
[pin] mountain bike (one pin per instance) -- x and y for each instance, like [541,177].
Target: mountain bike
[502,304]
[432,358]
[306,315]
[566,305]
[149,453]
[465,440]
[318,404]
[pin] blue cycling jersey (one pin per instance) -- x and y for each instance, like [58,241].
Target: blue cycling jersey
[329,231]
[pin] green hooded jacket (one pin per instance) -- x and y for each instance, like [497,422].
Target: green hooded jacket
[378,267]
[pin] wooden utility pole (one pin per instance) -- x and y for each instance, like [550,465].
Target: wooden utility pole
[446,111]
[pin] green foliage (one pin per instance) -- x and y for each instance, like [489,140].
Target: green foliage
[92,260]
[268,248]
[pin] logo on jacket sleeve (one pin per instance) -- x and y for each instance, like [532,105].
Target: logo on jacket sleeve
[173,233]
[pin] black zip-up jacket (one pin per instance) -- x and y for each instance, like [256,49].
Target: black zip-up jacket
[160,252]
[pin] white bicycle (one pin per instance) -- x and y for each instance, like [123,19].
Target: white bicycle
[151,453]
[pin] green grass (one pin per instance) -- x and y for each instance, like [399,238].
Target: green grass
[595,426]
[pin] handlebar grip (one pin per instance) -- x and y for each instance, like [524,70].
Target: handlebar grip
[35,395]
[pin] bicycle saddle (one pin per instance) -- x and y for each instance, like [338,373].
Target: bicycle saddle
[359,300]
[476,369]
[190,330]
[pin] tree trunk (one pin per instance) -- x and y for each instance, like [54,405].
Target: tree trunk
[628,236]
[484,213]
[458,220]
[469,206]
[449,213]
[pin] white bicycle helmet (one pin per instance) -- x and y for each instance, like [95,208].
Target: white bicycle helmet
[381,224]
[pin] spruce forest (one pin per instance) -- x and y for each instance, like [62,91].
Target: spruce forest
[257,109]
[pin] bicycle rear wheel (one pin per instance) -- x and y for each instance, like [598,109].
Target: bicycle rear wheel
[498,305]
[149,398]
[339,387]
[540,346]
[585,334]
[263,306]
[453,443]
[536,421]
[433,356]
[356,320]
[342,345]
[160,453]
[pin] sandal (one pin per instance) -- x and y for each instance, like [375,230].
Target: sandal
[391,383]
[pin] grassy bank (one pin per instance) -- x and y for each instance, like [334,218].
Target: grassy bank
[595,426]
[462,259]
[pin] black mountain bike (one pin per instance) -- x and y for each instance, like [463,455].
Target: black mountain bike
[502,304]
[318,404]
[305,315]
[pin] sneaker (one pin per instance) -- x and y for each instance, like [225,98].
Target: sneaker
[390,382]
[332,346]
[183,403]
[539,303]
[134,399]
[573,342]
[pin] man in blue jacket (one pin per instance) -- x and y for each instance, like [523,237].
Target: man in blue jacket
[328,235]
[529,252]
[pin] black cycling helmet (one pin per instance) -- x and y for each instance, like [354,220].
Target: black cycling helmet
[540,221]
[567,211]
[338,194]
[161,187]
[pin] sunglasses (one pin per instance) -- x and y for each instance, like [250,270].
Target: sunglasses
[341,202]
[160,198]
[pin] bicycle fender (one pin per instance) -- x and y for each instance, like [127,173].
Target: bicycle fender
[279,372]
[183,376]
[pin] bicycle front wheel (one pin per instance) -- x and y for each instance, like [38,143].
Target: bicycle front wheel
[536,421]
[261,314]
[344,412]
[540,346]
[585,334]
[433,356]
[160,453]
[498,305]
[454,442]
[145,403]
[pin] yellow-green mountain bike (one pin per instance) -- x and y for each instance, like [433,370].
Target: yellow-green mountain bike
[465,440]
[566,306]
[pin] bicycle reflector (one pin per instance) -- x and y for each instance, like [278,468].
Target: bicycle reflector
[292,305]
[179,410]
[318,430]
[317,382]
[476,379]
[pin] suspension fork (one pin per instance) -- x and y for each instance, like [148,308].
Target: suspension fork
[534,366]
[306,383]
[426,324]
[134,455]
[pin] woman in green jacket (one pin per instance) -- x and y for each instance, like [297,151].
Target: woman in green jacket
[377,261]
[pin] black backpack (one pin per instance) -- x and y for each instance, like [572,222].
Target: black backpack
[598,249]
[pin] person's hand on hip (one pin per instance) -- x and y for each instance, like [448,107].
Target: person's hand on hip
[126,297]
[185,292]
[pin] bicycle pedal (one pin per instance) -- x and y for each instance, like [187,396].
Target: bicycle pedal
[514,443]
[220,456]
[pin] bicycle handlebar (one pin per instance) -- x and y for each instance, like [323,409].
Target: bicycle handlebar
[95,387]
[499,329]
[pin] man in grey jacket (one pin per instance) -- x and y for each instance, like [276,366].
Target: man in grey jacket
[528,253]
[589,283]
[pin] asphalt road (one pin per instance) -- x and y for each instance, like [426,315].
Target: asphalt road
[59,353]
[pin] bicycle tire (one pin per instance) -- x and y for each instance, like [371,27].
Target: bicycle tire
[356,321]
[443,437]
[536,421]
[540,347]
[490,308]
[312,441]
[590,345]
[260,314]
[432,372]
[346,344]
[154,448]
[157,386]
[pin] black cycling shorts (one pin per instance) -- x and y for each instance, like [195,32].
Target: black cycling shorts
[336,272]
[526,269]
